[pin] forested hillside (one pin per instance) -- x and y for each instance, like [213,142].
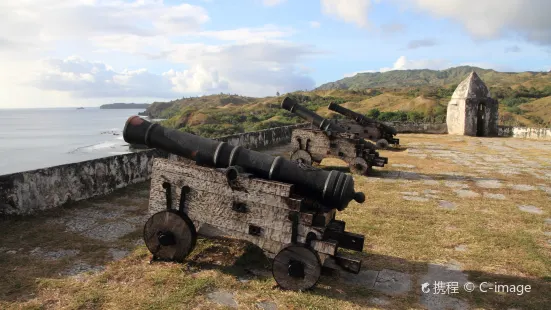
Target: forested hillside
[406,95]
[425,77]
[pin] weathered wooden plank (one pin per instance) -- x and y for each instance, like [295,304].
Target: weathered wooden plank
[306,218]
[201,210]
[198,172]
[327,247]
[217,176]
[267,233]
[177,181]
[257,213]
[322,219]
[157,200]
[283,236]
[265,186]
[348,264]
[216,210]
[210,200]
[276,229]
[220,207]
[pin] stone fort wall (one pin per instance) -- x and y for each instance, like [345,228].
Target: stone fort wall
[41,189]
[525,132]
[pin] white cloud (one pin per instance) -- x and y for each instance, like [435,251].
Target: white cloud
[350,11]
[315,24]
[85,79]
[272,2]
[402,63]
[490,19]
[261,34]
[250,61]
[354,73]
[255,69]
[46,21]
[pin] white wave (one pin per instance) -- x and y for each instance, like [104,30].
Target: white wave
[119,153]
[112,131]
[98,146]
[103,145]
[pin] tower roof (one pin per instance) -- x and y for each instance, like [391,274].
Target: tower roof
[471,87]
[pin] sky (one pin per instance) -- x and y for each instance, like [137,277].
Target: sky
[71,53]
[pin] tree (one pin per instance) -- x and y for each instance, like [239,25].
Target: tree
[277,94]
[373,113]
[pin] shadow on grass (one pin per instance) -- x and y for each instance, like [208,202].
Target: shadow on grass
[396,149]
[20,272]
[252,264]
[247,262]
[411,175]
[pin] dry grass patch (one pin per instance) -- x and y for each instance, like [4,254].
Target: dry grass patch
[490,240]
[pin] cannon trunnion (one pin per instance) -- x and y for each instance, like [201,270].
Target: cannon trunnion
[330,139]
[215,189]
[365,127]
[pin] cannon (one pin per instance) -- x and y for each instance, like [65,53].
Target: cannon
[216,189]
[367,128]
[330,139]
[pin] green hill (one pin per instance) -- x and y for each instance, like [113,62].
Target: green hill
[425,77]
[405,95]
[124,106]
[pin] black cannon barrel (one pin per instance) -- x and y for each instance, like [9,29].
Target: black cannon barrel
[324,124]
[359,118]
[332,189]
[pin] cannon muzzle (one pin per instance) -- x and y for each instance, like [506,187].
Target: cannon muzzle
[333,189]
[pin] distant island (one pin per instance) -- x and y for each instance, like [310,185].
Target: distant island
[125,106]
[81,108]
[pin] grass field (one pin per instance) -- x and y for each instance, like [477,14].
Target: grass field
[445,208]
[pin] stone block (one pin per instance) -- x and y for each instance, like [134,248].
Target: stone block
[392,282]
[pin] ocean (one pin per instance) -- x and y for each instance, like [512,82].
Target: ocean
[39,138]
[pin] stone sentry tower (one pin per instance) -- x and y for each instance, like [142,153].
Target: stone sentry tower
[471,111]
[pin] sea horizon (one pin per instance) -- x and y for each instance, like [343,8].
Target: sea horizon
[36,138]
[65,108]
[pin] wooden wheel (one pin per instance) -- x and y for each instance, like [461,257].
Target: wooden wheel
[296,267]
[301,156]
[169,235]
[382,144]
[359,166]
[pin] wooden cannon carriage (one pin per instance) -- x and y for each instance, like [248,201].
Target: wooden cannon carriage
[285,208]
[224,202]
[328,139]
[312,146]
[367,128]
